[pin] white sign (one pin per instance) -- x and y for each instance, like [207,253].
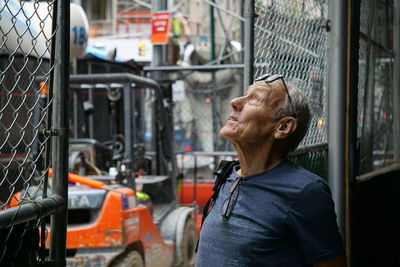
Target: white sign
[178,91]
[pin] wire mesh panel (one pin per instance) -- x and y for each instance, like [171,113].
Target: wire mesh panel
[201,108]
[375,82]
[290,39]
[25,106]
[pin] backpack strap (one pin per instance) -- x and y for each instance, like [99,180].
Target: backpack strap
[222,173]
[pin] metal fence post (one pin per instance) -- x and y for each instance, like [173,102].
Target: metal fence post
[353,151]
[60,131]
[337,69]
[396,81]
[215,125]
[248,44]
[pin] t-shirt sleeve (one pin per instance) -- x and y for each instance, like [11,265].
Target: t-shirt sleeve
[312,221]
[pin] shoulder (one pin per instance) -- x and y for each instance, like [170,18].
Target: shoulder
[286,183]
[298,179]
[302,174]
[303,187]
[310,189]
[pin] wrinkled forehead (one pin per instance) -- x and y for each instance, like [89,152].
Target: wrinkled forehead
[273,89]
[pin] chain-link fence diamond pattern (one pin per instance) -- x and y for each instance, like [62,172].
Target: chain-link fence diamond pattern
[376,75]
[25,43]
[291,39]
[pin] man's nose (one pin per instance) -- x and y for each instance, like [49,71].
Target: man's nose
[237,103]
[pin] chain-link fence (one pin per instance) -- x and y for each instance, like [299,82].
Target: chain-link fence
[290,39]
[26,72]
[201,108]
[375,82]
[283,30]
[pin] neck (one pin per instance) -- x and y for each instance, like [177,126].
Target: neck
[255,158]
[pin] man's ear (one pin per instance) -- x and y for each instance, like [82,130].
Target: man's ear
[285,127]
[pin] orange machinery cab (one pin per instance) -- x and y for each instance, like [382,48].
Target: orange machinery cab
[107,226]
[104,224]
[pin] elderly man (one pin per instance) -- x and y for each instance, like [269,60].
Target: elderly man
[269,211]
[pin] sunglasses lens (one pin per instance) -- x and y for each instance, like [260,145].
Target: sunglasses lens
[230,201]
[234,185]
[262,77]
[273,78]
[225,207]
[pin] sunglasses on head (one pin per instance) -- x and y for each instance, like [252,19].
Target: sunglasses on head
[269,78]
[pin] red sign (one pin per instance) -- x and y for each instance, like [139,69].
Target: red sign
[160,27]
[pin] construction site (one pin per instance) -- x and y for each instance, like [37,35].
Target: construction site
[110,114]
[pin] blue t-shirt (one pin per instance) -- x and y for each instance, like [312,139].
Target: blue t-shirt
[282,217]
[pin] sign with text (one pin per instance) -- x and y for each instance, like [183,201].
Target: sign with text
[160,27]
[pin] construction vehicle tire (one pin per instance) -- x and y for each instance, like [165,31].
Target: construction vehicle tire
[130,258]
[189,244]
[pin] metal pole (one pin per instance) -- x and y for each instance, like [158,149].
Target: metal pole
[90,99]
[60,129]
[114,17]
[396,81]
[242,30]
[75,115]
[212,32]
[128,129]
[214,95]
[193,67]
[248,75]
[353,152]
[129,132]
[195,183]
[337,69]
[212,3]
[159,52]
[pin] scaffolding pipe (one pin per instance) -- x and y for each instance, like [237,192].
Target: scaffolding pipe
[212,32]
[212,3]
[337,70]
[248,75]
[215,125]
[129,131]
[59,132]
[396,81]
[242,31]
[193,67]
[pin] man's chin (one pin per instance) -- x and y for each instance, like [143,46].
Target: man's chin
[226,132]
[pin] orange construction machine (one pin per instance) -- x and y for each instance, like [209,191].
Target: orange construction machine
[122,202]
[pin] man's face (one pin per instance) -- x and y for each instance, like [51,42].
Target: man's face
[251,119]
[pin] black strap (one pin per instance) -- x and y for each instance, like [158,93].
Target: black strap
[222,173]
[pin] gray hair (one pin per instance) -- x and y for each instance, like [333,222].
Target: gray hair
[302,110]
